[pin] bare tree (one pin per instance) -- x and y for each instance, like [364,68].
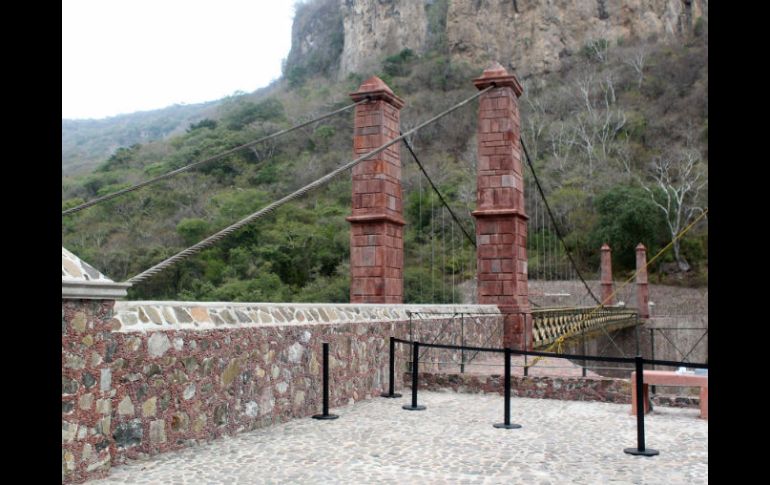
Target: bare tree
[596,127]
[623,156]
[562,140]
[534,125]
[610,120]
[680,178]
[637,62]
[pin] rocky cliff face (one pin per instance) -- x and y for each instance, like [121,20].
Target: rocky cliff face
[529,36]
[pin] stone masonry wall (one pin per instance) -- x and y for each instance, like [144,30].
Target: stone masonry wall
[87,388]
[158,376]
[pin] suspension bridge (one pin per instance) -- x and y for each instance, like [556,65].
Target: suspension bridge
[170,372]
[513,227]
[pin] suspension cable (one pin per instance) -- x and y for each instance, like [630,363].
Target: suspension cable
[209,241]
[435,189]
[444,202]
[553,221]
[190,166]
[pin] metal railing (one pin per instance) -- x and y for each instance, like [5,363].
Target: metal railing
[683,355]
[548,324]
[638,362]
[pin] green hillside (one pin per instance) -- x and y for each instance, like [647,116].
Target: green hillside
[597,131]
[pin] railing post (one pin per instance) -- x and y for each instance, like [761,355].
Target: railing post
[507,387]
[652,354]
[585,352]
[636,331]
[640,449]
[462,343]
[415,370]
[392,371]
[526,366]
[325,414]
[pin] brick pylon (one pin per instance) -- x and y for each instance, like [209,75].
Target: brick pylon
[376,224]
[606,264]
[501,222]
[642,290]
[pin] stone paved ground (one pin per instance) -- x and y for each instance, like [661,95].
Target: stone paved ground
[453,441]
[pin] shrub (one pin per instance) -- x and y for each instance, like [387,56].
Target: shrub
[595,50]
[398,65]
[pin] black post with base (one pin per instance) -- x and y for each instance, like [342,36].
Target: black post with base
[326,414]
[392,372]
[507,424]
[640,450]
[415,370]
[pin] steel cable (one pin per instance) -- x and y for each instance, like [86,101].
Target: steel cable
[294,195]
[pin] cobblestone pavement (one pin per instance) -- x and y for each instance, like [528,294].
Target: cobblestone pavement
[453,441]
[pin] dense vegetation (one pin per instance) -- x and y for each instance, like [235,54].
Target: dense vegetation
[600,131]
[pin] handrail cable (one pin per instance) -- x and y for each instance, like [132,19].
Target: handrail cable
[539,353]
[138,186]
[294,195]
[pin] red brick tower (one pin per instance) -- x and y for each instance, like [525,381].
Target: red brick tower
[642,290]
[376,232]
[607,296]
[501,222]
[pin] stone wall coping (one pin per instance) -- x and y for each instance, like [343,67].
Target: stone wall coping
[149,316]
[93,290]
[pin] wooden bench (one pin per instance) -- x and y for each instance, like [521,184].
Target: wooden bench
[669,378]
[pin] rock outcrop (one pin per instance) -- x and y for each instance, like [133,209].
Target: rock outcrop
[530,36]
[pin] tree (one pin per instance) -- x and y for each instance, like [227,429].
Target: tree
[626,217]
[637,61]
[678,183]
[596,128]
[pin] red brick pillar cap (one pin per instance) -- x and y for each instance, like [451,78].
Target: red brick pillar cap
[498,76]
[640,247]
[605,247]
[375,88]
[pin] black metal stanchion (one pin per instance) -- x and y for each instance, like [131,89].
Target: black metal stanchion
[326,414]
[392,372]
[507,424]
[415,369]
[640,449]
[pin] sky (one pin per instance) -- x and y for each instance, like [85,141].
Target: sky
[122,56]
